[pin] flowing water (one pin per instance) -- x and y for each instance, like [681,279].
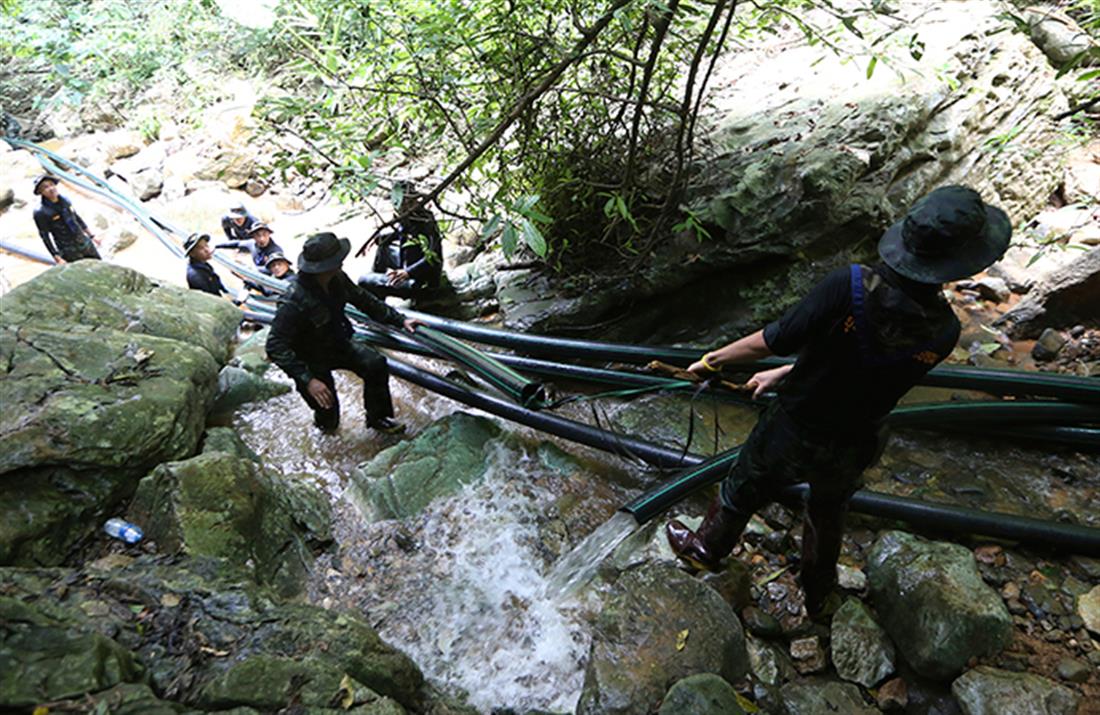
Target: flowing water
[574,570]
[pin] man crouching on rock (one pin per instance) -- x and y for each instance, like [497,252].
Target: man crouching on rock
[864,336]
[311,336]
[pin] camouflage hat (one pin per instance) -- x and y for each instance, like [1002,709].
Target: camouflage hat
[949,234]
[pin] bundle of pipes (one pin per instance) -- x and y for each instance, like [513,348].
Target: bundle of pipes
[1049,420]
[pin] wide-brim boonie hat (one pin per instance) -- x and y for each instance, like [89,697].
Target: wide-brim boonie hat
[38,181]
[323,252]
[238,210]
[192,241]
[259,227]
[947,235]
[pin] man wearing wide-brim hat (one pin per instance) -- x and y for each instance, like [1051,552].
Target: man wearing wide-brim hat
[65,234]
[200,274]
[863,336]
[311,336]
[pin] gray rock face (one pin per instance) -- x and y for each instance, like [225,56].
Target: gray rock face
[402,480]
[106,375]
[1088,608]
[1065,298]
[660,625]
[989,691]
[934,605]
[147,184]
[225,506]
[703,694]
[862,652]
[803,152]
[824,697]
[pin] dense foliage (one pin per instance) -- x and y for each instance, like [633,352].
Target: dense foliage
[563,127]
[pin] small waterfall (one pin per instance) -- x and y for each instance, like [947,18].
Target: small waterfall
[575,569]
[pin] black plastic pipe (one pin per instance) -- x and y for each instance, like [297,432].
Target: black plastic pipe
[996,381]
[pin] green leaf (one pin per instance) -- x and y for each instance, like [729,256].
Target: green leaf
[491,226]
[871,67]
[508,240]
[533,238]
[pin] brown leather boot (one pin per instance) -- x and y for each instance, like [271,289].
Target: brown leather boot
[715,538]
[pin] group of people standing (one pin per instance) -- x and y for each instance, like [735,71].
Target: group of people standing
[863,337]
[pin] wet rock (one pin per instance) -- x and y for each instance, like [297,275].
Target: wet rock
[7,198]
[403,479]
[893,695]
[659,625]
[108,375]
[808,655]
[1064,298]
[237,386]
[850,578]
[992,288]
[1088,608]
[1049,344]
[44,662]
[733,583]
[819,696]
[1074,670]
[761,623]
[989,691]
[934,605]
[703,694]
[223,506]
[862,652]
[207,642]
[770,664]
[124,699]
[227,441]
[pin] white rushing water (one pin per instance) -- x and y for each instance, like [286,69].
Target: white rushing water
[471,606]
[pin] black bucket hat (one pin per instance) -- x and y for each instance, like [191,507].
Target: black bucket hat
[192,241]
[323,252]
[947,235]
[42,178]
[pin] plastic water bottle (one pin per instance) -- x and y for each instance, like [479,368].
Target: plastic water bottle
[124,530]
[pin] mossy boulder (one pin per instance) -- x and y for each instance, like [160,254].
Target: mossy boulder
[991,691]
[659,626]
[934,605]
[238,386]
[403,479]
[222,505]
[702,694]
[105,375]
[206,642]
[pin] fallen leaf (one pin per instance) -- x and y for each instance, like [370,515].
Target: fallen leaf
[41,710]
[746,704]
[170,600]
[773,576]
[213,651]
[682,639]
[347,687]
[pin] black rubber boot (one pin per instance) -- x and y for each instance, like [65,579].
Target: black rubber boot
[715,538]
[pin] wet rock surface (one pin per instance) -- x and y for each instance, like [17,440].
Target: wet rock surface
[193,637]
[934,605]
[861,650]
[660,626]
[702,694]
[989,691]
[822,697]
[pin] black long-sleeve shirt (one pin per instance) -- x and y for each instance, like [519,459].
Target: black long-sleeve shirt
[61,229]
[201,276]
[310,326]
[414,234]
[233,232]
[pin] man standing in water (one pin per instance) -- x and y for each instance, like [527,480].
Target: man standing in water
[864,337]
[311,336]
[62,230]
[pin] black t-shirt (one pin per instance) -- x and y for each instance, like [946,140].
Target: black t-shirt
[864,337]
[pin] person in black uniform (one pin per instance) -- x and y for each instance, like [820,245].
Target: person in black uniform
[200,274]
[238,223]
[311,336]
[259,244]
[65,234]
[409,259]
[864,336]
[279,267]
